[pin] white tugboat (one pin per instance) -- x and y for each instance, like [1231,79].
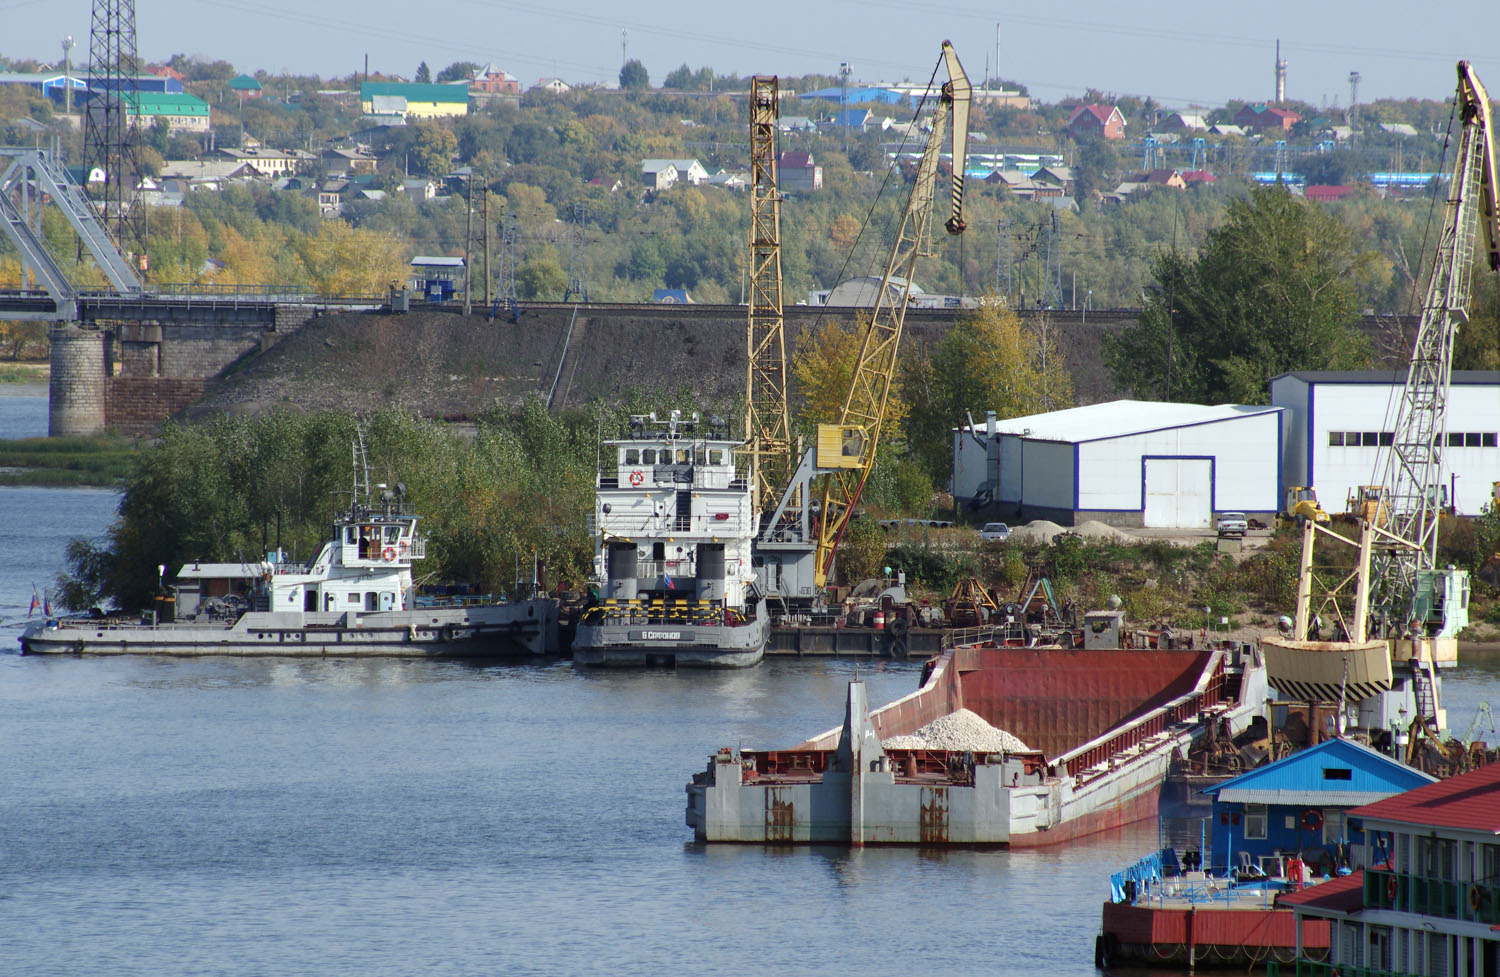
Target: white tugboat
[674,524]
[354,598]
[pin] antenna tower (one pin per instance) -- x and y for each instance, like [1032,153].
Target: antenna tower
[1353,103]
[107,142]
[578,282]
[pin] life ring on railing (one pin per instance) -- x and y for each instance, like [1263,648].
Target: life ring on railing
[1390,888]
[637,477]
[1475,897]
[1312,820]
[389,554]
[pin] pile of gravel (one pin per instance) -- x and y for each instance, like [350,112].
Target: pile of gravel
[961,730]
[1094,529]
[1036,531]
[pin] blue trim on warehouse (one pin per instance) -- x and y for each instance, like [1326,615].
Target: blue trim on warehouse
[1260,412]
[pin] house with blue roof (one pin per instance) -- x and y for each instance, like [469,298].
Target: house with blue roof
[1298,805]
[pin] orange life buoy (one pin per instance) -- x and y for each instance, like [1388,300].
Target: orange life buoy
[636,477]
[1312,820]
[389,554]
[1390,888]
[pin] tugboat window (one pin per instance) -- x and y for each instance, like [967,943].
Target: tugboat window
[392,533]
[648,456]
[632,456]
[716,456]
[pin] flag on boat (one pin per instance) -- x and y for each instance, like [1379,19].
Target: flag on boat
[32,609]
[668,578]
[47,603]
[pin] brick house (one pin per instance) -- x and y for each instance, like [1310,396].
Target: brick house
[1266,117]
[797,173]
[1098,121]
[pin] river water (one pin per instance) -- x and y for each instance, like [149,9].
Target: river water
[330,818]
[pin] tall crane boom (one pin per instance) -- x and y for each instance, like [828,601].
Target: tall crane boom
[766,423]
[869,390]
[1413,474]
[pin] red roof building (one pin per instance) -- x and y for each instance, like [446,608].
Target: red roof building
[1097,120]
[1430,902]
[1266,117]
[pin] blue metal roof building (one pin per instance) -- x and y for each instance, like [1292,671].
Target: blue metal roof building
[861,95]
[1297,805]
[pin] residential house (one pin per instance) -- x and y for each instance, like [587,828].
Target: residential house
[422,101]
[554,85]
[245,86]
[438,277]
[1198,176]
[860,119]
[1428,901]
[663,173]
[330,195]
[1061,177]
[797,173]
[349,161]
[490,81]
[1266,117]
[419,190]
[730,181]
[1161,178]
[1228,129]
[266,162]
[1107,122]
[207,174]
[796,123]
[182,112]
[1301,804]
[1398,128]
[1183,122]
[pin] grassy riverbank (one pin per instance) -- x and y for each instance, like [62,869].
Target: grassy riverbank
[24,372]
[102,460]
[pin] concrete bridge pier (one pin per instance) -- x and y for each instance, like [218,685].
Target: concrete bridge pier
[76,390]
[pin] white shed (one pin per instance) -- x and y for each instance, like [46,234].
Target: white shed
[1127,462]
[1338,426]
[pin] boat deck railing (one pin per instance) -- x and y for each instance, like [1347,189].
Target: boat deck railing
[663,612]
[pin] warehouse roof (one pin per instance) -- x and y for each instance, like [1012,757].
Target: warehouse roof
[1119,418]
[1386,376]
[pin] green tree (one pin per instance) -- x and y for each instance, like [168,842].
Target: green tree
[633,76]
[541,276]
[433,148]
[424,74]
[457,71]
[988,361]
[1272,291]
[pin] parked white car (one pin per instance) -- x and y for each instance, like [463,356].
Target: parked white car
[995,531]
[1233,524]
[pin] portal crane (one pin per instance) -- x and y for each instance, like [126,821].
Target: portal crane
[795,557]
[1397,605]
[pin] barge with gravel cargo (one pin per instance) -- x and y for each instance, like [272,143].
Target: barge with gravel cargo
[1098,727]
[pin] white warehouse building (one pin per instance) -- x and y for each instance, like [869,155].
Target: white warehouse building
[1126,462]
[1337,425]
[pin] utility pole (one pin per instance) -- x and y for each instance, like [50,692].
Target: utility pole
[844,100]
[578,284]
[469,246]
[484,209]
[1004,263]
[1353,105]
[624,57]
[67,46]
[107,142]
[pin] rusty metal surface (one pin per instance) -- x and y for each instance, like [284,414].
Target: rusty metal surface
[934,816]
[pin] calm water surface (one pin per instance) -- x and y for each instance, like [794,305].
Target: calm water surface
[331,818]
[23,410]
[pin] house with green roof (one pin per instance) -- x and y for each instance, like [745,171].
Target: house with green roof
[422,101]
[245,86]
[183,111]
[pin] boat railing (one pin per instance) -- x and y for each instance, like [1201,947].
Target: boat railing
[663,612]
[672,476]
[1098,756]
[679,568]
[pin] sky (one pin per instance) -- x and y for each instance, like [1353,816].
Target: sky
[1180,55]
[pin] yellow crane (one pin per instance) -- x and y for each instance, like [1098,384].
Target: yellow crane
[793,556]
[767,428]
